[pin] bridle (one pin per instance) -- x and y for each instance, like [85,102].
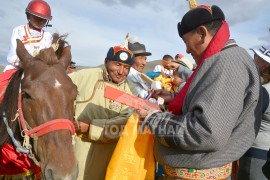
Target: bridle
[50,126]
[27,132]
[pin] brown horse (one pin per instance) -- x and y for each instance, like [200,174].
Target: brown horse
[46,103]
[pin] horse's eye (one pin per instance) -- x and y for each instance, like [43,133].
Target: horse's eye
[26,95]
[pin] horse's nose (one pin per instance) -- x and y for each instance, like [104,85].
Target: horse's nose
[49,174]
[56,174]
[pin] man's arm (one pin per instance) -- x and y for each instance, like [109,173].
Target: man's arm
[109,130]
[215,106]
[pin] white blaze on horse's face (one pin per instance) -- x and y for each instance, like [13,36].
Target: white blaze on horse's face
[57,84]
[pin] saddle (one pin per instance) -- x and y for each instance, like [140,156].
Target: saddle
[14,165]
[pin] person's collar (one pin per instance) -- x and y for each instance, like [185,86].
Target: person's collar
[30,27]
[229,43]
[134,71]
[217,43]
[106,76]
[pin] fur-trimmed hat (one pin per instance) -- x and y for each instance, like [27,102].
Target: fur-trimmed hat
[121,54]
[198,16]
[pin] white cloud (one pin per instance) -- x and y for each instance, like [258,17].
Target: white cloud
[96,25]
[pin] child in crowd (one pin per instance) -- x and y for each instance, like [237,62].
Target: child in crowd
[182,70]
[177,81]
[163,67]
[181,59]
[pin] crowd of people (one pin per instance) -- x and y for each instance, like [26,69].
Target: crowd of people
[213,122]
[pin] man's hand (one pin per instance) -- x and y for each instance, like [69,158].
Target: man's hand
[81,127]
[166,95]
[145,111]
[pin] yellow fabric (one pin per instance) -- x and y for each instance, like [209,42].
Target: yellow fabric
[167,82]
[133,157]
[192,4]
[28,174]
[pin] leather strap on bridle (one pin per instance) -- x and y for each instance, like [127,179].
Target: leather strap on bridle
[53,125]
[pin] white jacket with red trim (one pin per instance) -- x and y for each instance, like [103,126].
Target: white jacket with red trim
[33,41]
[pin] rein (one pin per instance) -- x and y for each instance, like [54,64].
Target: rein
[50,126]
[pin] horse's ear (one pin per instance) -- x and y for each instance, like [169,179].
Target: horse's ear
[23,54]
[65,58]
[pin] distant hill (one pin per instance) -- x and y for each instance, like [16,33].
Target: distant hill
[150,65]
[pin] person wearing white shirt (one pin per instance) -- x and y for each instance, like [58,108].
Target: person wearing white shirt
[34,38]
[142,88]
[163,67]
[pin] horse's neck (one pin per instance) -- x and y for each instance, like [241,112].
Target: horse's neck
[9,106]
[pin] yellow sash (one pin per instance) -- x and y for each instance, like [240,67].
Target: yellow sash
[133,157]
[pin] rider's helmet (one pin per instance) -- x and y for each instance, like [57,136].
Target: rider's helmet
[40,9]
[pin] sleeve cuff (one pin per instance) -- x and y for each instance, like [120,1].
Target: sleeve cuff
[150,114]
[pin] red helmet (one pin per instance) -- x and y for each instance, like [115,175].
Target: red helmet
[40,9]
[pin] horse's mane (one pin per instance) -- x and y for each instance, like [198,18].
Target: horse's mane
[50,56]
[9,104]
[62,43]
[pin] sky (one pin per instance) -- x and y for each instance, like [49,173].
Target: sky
[96,25]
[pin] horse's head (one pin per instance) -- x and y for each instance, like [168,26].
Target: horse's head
[48,94]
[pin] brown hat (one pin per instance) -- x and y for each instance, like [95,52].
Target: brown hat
[138,49]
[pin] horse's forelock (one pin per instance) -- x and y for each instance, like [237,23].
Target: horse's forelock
[48,56]
[61,41]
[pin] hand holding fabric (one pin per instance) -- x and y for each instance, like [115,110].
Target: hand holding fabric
[146,111]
